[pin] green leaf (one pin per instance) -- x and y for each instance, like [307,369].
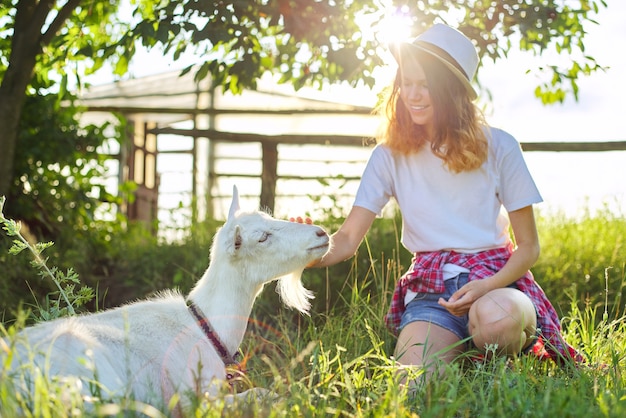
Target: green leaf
[17,247]
[41,246]
[121,67]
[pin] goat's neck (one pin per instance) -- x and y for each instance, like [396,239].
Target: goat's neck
[226,300]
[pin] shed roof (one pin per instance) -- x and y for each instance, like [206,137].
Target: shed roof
[175,92]
[171,97]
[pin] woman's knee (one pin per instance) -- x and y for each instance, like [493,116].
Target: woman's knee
[503,320]
[422,341]
[423,349]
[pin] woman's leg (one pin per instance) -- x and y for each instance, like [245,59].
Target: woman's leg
[425,346]
[503,319]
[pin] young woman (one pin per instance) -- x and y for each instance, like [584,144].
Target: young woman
[469,285]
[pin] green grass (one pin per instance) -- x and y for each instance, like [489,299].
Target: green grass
[338,361]
[346,369]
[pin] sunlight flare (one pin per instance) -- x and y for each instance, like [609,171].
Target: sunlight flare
[395,26]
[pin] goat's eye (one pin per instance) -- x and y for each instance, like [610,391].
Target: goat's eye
[264,237]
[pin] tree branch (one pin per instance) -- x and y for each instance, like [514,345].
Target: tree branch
[59,21]
[38,12]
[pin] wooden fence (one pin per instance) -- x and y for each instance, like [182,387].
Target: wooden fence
[269,145]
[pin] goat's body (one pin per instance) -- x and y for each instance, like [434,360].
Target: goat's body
[146,350]
[151,349]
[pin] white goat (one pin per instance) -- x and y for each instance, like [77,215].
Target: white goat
[151,349]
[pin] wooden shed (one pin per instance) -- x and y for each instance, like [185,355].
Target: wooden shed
[190,142]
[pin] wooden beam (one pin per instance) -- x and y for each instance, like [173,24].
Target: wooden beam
[574,146]
[354,110]
[234,137]
[288,177]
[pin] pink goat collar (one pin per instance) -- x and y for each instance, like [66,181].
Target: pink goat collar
[204,324]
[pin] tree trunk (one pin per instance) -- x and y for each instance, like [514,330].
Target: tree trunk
[12,95]
[25,46]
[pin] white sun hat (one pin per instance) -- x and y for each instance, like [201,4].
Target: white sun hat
[450,47]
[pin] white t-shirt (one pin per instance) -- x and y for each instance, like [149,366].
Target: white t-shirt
[442,210]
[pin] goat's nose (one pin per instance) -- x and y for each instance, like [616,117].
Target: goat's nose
[320,233]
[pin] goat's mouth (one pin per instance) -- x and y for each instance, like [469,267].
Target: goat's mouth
[324,246]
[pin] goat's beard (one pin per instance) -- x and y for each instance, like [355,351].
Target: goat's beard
[293,293]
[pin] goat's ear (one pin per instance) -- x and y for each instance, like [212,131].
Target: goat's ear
[234,205]
[237,237]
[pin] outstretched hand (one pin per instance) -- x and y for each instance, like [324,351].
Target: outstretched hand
[308,221]
[301,220]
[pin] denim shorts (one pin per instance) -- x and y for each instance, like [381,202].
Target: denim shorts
[424,307]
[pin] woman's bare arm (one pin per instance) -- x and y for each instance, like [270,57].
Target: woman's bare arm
[348,237]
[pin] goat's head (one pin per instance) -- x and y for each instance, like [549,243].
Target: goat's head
[263,249]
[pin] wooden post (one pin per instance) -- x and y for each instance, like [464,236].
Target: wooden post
[142,170]
[269,175]
[211,158]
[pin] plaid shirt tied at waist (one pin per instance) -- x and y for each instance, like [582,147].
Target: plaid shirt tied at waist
[426,276]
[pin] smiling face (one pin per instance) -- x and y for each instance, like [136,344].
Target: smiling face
[415,95]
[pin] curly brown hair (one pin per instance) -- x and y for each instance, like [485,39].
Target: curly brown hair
[460,140]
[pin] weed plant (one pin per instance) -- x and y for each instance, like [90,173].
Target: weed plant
[338,362]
